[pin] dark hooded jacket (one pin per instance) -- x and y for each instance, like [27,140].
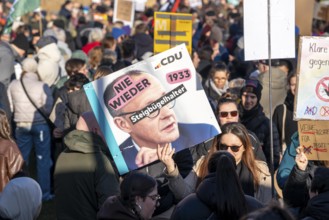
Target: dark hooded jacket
[77,103]
[290,125]
[318,207]
[143,43]
[202,204]
[84,176]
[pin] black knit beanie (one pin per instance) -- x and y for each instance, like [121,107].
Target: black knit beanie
[253,86]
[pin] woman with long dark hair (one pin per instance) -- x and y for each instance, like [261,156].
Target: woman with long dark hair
[219,195]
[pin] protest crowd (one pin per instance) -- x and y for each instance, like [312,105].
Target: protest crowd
[47,57]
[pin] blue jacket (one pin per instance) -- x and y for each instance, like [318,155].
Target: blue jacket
[288,161]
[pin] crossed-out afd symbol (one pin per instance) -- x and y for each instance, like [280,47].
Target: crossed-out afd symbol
[307,150]
[322,89]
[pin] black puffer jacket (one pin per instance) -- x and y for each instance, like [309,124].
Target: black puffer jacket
[201,205]
[318,207]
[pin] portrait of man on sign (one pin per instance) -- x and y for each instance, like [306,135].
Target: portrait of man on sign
[153,103]
[141,107]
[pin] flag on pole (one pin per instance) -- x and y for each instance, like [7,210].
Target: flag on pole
[20,8]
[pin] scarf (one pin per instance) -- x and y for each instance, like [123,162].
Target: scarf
[246,179]
[289,101]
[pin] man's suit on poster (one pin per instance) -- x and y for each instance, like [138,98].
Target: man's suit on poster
[189,135]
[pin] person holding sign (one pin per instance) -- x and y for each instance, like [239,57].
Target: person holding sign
[140,106]
[297,187]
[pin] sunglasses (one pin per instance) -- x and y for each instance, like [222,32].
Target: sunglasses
[225,114]
[155,197]
[233,148]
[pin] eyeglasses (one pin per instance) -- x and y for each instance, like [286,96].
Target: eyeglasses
[233,148]
[155,197]
[225,114]
[153,114]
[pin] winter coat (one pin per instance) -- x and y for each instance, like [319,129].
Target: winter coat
[115,210]
[212,92]
[143,43]
[296,188]
[77,103]
[11,161]
[263,194]
[4,102]
[84,176]
[48,65]
[290,125]
[202,204]
[7,57]
[23,109]
[279,89]
[256,121]
[318,207]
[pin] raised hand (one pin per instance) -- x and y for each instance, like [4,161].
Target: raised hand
[165,156]
[301,159]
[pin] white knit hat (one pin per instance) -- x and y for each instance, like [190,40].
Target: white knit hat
[30,65]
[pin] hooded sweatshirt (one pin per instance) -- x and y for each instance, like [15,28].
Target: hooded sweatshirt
[21,199]
[48,66]
[84,176]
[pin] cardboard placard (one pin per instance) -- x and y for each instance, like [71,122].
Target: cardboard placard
[312,96]
[314,139]
[304,16]
[163,102]
[124,11]
[171,29]
[54,6]
[282,17]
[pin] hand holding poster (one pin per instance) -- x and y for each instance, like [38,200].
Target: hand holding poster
[149,104]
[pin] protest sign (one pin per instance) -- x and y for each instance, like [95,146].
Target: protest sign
[124,11]
[195,3]
[282,21]
[140,5]
[171,29]
[314,139]
[312,98]
[55,6]
[156,101]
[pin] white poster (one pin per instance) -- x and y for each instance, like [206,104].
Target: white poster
[282,20]
[154,102]
[312,100]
